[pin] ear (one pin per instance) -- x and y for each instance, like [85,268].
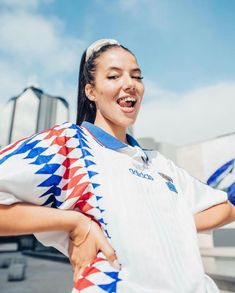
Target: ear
[89,90]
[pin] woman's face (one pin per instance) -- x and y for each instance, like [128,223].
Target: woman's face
[118,88]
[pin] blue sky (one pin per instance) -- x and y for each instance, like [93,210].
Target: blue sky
[185,49]
[180,44]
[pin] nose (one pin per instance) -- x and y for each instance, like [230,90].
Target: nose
[128,83]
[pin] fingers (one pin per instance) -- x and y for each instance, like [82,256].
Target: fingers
[110,254]
[84,254]
[82,268]
[76,273]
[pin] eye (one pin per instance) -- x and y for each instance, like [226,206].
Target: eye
[138,77]
[113,77]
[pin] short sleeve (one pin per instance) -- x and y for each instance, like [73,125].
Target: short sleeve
[38,169]
[48,169]
[198,195]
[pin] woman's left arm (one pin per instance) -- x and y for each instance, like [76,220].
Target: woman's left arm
[214,217]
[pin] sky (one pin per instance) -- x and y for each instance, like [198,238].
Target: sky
[185,49]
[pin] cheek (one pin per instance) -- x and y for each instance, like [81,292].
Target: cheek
[141,90]
[102,100]
[105,93]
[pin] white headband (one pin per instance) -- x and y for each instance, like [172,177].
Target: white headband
[96,46]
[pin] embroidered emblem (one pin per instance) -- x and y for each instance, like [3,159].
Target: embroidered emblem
[168,178]
[169,182]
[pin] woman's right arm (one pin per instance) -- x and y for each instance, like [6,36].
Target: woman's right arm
[39,172]
[23,218]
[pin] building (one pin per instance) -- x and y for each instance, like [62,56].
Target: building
[30,112]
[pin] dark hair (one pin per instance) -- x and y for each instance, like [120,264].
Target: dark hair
[86,109]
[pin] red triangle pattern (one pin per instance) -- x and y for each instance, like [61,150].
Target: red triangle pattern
[86,196]
[64,151]
[73,182]
[82,284]
[70,172]
[83,206]
[68,162]
[60,140]
[78,190]
[53,132]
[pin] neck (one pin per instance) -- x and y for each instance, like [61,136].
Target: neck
[113,129]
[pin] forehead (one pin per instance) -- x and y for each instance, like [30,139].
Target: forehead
[116,57]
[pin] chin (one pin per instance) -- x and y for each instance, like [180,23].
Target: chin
[126,123]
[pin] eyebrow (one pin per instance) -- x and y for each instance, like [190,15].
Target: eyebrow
[137,69]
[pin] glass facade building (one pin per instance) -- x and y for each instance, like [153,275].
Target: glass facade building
[30,112]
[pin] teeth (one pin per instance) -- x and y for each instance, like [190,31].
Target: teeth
[127,99]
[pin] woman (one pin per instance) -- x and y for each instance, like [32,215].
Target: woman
[108,192]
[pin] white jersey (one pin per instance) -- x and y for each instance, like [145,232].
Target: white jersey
[143,202]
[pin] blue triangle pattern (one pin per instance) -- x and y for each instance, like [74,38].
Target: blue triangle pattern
[52,180]
[110,288]
[91,173]
[78,128]
[35,152]
[48,169]
[100,209]
[113,275]
[107,234]
[85,153]
[42,159]
[89,163]
[54,190]
[74,126]
[101,220]
[51,200]
[23,148]
[98,197]
[80,136]
[27,146]
[95,185]
[83,144]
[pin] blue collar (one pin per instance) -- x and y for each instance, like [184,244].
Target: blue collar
[108,140]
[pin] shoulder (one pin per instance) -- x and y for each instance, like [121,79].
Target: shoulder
[160,160]
[64,130]
[47,141]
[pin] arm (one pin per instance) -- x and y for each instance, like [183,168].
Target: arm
[214,217]
[22,218]
[40,163]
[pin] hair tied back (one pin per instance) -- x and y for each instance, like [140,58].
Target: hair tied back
[97,45]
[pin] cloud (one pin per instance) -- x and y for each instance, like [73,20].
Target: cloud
[37,41]
[36,50]
[153,92]
[12,81]
[197,115]
[155,14]
[19,4]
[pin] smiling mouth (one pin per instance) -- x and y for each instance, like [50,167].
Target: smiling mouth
[127,102]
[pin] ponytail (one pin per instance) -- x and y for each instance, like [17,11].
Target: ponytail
[86,109]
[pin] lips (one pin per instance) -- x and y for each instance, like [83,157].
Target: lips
[127,102]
